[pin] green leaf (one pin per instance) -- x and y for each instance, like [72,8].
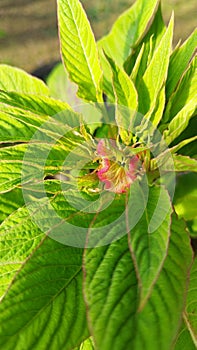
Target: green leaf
[149,239]
[9,202]
[126,32]
[184,93]
[182,144]
[111,294]
[185,196]
[184,341]
[79,50]
[184,163]
[179,123]
[41,105]
[179,61]
[156,73]
[190,315]
[19,236]
[12,162]
[43,307]
[86,345]
[124,89]
[150,43]
[15,79]
[125,95]
[18,124]
[156,114]
[61,87]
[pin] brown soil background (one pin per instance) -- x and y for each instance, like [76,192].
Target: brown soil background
[28,28]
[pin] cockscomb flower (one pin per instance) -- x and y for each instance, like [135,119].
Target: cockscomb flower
[116,170]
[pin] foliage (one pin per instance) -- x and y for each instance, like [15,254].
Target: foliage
[97,191]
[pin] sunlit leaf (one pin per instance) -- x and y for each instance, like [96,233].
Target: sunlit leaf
[184,93]
[15,79]
[156,73]
[79,49]
[179,61]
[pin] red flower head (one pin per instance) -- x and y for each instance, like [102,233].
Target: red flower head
[116,170]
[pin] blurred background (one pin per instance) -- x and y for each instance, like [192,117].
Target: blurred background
[28,28]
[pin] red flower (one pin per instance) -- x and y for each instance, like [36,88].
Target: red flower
[116,170]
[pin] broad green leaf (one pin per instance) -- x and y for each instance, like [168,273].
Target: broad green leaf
[179,61]
[79,51]
[41,105]
[19,236]
[156,73]
[18,124]
[22,162]
[125,95]
[9,202]
[165,306]
[184,93]
[111,293]
[43,307]
[190,315]
[61,87]
[180,122]
[186,196]
[126,32]
[12,162]
[15,79]
[149,239]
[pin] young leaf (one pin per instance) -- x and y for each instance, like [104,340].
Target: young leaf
[125,95]
[184,163]
[185,92]
[86,345]
[150,42]
[179,123]
[156,73]
[15,79]
[44,303]
[79,50]
[179,61]
[126,32]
